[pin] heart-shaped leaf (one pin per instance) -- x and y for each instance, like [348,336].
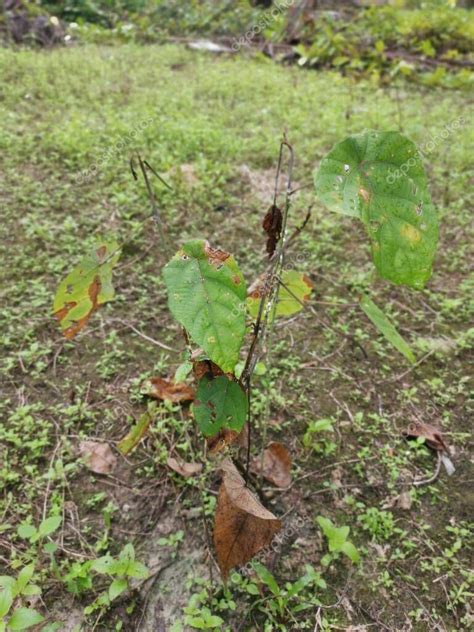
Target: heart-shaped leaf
[220,403]
[379,178]
[242,524]
[206,294]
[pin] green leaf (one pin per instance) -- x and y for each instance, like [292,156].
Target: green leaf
[137,570]
[117,587]
[49,525]
[386,328]
[295,290]
[267,578]
[206,294]
[352,553]
[183,371]
[379,178]
[26,531]
[86,288]
[220,403]
[24,618]
[6,600]
[24,577]
[136,432]
[103,564]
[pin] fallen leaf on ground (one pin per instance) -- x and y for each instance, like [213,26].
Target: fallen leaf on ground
[432,435]
[276,464]
[183,468]
[242,524]
[98,457]
[136,433]
[160,388]
[404,501]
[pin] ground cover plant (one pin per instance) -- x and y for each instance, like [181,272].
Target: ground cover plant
[365,523]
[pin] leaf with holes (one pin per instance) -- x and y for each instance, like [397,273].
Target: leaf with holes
[220,403]
[379,178]
[206,294]
[383,324]
[86,288]
[295,290]
[242,525]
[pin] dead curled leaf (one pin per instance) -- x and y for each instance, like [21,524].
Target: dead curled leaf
[98,457]
[276,464]
[242,525]
[183,468]
[160,388]
[432,435]
[272,225]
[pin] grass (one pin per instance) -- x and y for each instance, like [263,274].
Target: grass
[64,111]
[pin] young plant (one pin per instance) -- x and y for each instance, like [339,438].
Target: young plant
[338,541]
[376,177]
[14,616]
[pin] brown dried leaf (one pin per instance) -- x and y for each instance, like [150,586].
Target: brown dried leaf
[432,435]
[272,225]
[159,388]
[98,457]
[215,255]
[221,440]
[242,524]
[276,464]
[183,468]
[203,368]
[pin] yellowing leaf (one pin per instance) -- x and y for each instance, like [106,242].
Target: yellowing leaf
[86,288]
[295,290]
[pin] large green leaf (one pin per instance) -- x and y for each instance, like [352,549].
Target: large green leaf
[206,294]
[294,292]
[379,178]
[220,403]
[383,324]
[87,287]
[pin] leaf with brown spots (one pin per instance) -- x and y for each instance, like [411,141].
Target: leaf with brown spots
[432,435]
[86,288]
[272,225]
[183,468]
[276,464]
[206,295]
[242,525]
[98,457]
[379,178]
[160,388]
